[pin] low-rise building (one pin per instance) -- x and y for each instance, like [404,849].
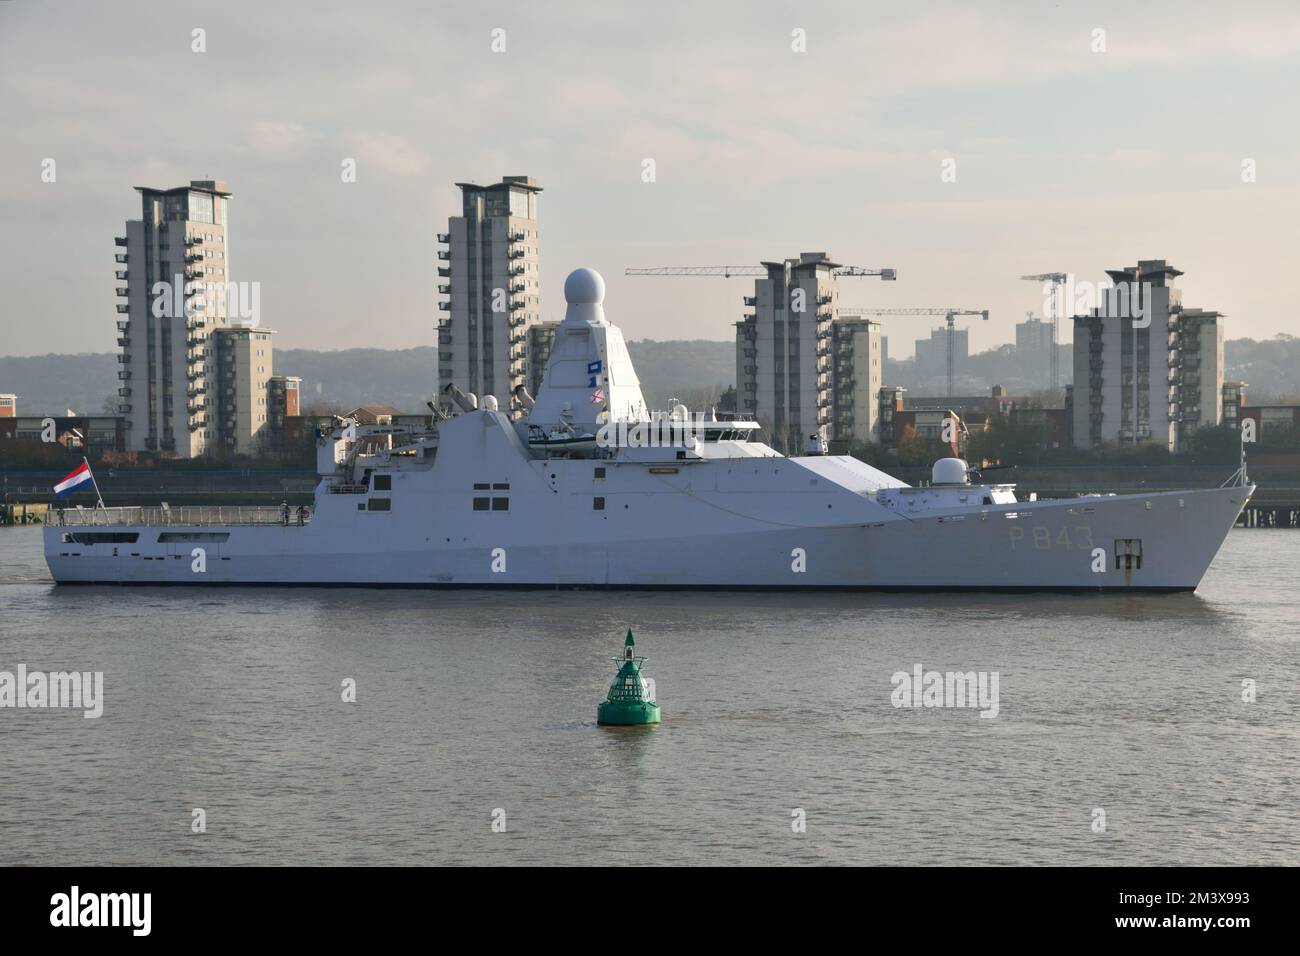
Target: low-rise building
[89,434]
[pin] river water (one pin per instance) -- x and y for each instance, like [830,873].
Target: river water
[472,738]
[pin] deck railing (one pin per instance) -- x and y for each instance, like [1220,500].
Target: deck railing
[180,517]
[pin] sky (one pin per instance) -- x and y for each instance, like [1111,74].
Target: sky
[1083,136]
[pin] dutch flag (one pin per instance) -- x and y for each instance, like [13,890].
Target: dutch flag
[79,476]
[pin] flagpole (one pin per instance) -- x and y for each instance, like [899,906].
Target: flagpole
[90,472]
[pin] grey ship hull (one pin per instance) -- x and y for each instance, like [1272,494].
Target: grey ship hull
[1042,545]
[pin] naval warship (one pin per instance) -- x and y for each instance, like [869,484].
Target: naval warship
[591,489]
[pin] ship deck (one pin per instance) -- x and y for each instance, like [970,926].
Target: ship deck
[187,517]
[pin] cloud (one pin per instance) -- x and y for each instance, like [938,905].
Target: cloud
[278,141]
[389,153]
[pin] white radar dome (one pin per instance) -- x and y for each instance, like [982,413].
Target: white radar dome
[584,287]
[949,471]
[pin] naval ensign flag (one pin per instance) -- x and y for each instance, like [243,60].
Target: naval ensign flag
[78,477]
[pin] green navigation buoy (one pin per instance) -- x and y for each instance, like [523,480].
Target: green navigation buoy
[631,699]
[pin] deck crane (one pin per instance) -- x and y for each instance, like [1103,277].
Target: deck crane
[1057,280]
[728,272]
[949,314]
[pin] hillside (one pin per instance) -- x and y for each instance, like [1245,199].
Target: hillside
[694,371]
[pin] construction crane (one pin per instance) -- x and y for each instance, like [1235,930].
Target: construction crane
[949,314]
[728,272]
[1057,280]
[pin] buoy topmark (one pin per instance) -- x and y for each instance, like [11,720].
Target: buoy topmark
[629,700]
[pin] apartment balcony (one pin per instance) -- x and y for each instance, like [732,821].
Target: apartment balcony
[124,392]
[825,315]
[119,240]
[1095,365]
[444,306]
[123,291]
[193,273]
[516,321]
[124,341]
[195,340]
[517,236]
[121,274]
[194,240]
[124,358]
[748,316]
[517,337]
[444,255]
[516,254]
[124,375]
[444,272]
[444,237]
[120,258]
[194,257]
[825,333]
[444,337]
[517,270]
[195,407]
[195,392]
[518,287]
[750,300]
[124,409]
[444,290]
[516,306]
[824,299]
